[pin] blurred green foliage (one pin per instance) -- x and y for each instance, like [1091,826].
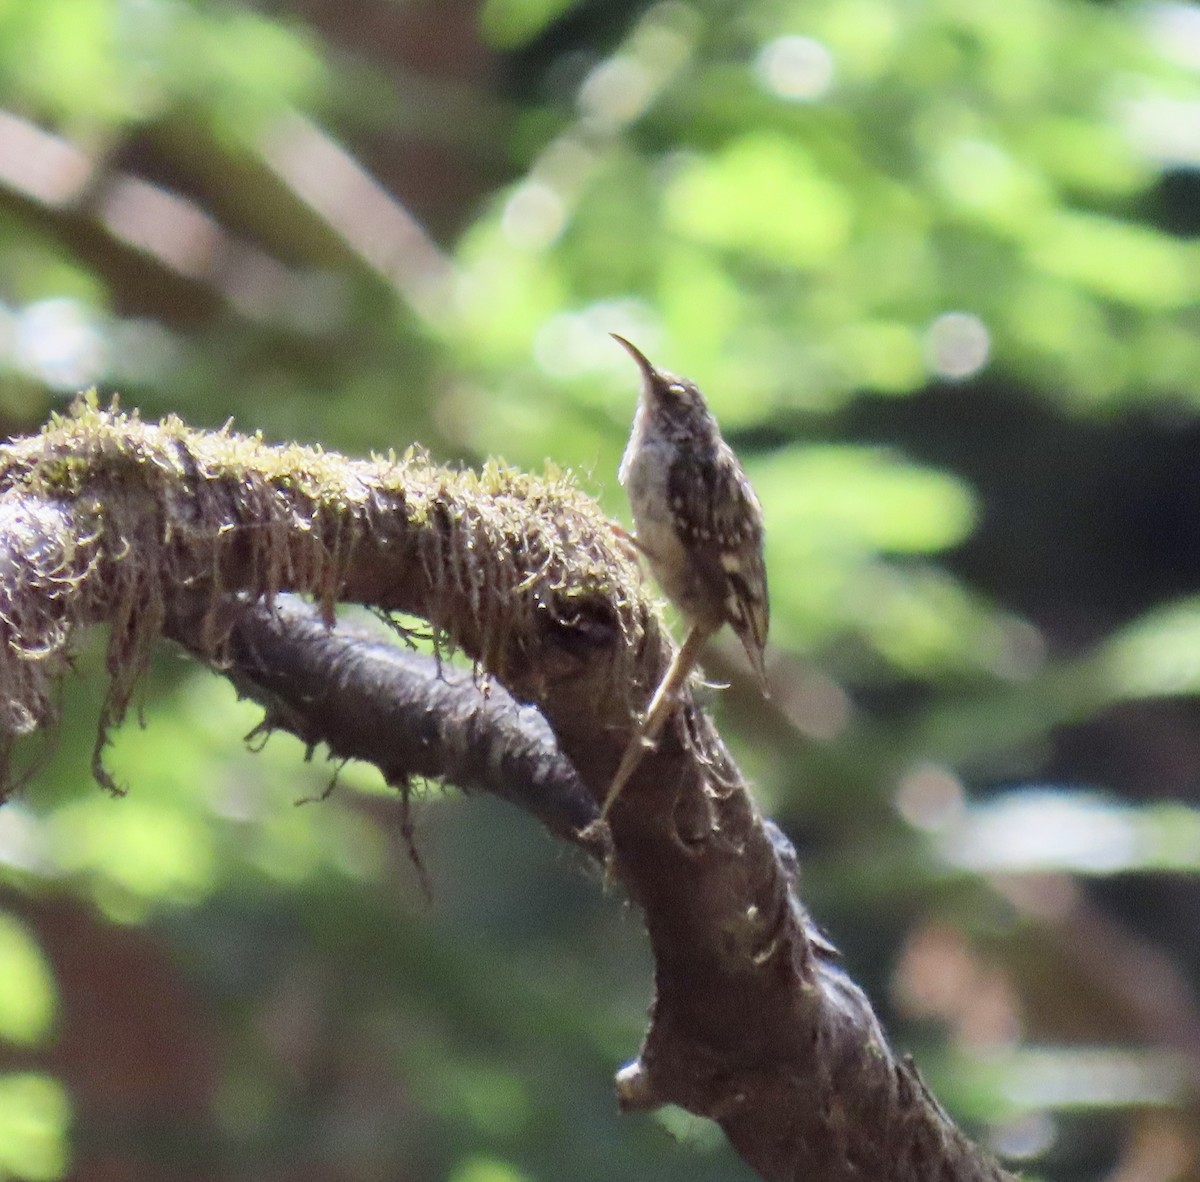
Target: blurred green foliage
[34,1114]
[28,1002]
[937,268]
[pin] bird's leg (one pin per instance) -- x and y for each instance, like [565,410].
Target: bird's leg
[661,706]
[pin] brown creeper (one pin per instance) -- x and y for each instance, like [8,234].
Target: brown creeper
[700,527]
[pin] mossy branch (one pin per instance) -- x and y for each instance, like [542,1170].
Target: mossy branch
[111,519]
[106,518]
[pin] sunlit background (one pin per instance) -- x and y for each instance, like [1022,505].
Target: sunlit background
[937,267]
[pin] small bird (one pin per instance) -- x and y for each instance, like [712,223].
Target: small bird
[700,526]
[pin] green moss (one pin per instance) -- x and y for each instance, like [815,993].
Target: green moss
[150,508]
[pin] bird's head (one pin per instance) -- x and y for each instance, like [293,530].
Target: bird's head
[673,398]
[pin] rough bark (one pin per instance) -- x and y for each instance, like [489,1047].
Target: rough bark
[105,518]
[407,713]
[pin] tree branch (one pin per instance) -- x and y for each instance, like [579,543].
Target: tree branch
[105,518]
[406,713]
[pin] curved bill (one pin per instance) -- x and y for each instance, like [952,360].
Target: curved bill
[636,353]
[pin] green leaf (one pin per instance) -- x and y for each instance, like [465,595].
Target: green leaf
[1158,655]
[28,998]
[507,24]
[34,1117]
[1122,261]
[862,498]
[486,1169]
[766,196]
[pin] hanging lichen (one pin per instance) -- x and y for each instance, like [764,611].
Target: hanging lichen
[106,518]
